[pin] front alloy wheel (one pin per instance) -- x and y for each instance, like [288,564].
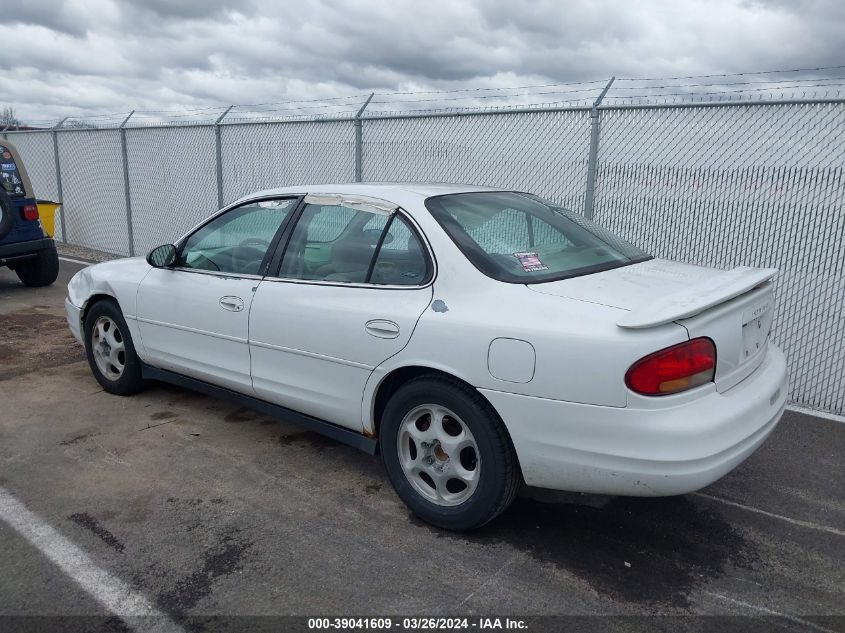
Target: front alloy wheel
[108,348]
[111,354]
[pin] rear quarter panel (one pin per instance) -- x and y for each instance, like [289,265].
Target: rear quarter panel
[581,354]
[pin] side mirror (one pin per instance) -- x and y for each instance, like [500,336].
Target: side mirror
[163,256]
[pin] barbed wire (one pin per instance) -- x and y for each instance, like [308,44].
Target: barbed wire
[742,74]
[524,94]
[480,98]
[734,83]
[724,92]
[431,92]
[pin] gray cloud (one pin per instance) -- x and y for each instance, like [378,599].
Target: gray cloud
[52,14]
[190,9]
[75,57]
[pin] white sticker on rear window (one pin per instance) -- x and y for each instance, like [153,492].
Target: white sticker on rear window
[530,262]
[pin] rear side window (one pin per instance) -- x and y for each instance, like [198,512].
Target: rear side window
[329,222]
[10,176]
[364,247]
[401,260]
[520,238]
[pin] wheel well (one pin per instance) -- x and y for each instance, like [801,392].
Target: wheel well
[95,299]
[398,377]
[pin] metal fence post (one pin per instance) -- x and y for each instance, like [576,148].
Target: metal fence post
[592,161]
[58,167]
[129,233]
[218,149]
[359,140]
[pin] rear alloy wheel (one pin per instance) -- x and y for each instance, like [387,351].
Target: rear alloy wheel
[447,453]
[111,354]
[438,455]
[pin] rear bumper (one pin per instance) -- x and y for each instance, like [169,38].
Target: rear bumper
[74,319]
[644,452]
[21,250]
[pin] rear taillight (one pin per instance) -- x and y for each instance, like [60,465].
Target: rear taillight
[30,212]
[674,369]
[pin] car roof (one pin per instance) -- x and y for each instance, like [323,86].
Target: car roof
[390,191]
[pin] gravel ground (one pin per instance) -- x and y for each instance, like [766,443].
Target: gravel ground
[86,254]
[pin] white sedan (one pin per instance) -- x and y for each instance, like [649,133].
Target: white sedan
[480,338]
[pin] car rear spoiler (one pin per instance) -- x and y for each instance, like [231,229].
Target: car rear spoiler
[697,298]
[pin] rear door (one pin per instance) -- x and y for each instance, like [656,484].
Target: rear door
[350,288]
[194,318]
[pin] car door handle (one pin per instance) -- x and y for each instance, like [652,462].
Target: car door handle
[235,304]
[382,328]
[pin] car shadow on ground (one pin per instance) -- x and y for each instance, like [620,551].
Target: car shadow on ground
[640,550]
[647,551]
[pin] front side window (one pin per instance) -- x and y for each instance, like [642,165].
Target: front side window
[520,238]
[237,241]
[366,247]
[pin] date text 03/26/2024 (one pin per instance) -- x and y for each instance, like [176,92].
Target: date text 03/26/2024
[417,624]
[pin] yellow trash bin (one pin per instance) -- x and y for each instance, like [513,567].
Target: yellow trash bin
[47,215]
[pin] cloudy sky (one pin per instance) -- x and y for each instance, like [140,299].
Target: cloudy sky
[84,57]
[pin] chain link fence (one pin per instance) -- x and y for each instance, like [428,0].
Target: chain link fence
[172,182]
[94,212]
[731,186]
[260,156]
[719,184]
[540,152]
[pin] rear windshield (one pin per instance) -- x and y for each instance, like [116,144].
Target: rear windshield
[520,238]
[10,177]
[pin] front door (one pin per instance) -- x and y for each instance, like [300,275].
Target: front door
[351,287]
[194,317]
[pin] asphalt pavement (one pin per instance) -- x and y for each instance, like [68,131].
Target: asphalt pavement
[199,508]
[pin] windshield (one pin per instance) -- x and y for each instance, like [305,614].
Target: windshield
[520,238]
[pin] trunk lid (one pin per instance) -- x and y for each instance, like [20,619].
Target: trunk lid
[734,308]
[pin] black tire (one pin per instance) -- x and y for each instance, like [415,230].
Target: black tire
[129,381]
[6,219]
[499,476]
[39,271]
